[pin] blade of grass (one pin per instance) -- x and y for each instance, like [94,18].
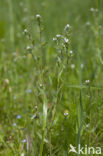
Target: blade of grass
[44,120]
[80,119]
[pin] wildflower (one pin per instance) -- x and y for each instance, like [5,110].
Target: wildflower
[54,39]
[71,52]
[67,27]
[22,154]
[24,140]
[88,125]
[92,9]
[82,66]
[66,113]
[58,35]
[28,48]
[29,91]
[25,31]
[18,116]
[72,66]
[38,16]
[41,85]
[7,81]
[88,23]
[14,124]
[87,81]
[66,40]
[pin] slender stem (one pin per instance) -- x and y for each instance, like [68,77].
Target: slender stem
[42,144]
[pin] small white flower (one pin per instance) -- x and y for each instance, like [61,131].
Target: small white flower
[72,66]
[71,52]
[6,81]
[58,35]
[28,48]
[54,39]
[66,114]
[87,81]
[92,9]
[88,23]
[38,16]
[14,124]
[66,40]
[23,141]
[88,125]
[67,27]
[82,66]
[41,85]
[25,30]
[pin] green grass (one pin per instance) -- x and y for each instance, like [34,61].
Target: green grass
[45,102]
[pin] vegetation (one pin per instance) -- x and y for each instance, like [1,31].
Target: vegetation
[51,87]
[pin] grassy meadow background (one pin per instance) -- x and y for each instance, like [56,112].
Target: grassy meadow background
[46,100]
